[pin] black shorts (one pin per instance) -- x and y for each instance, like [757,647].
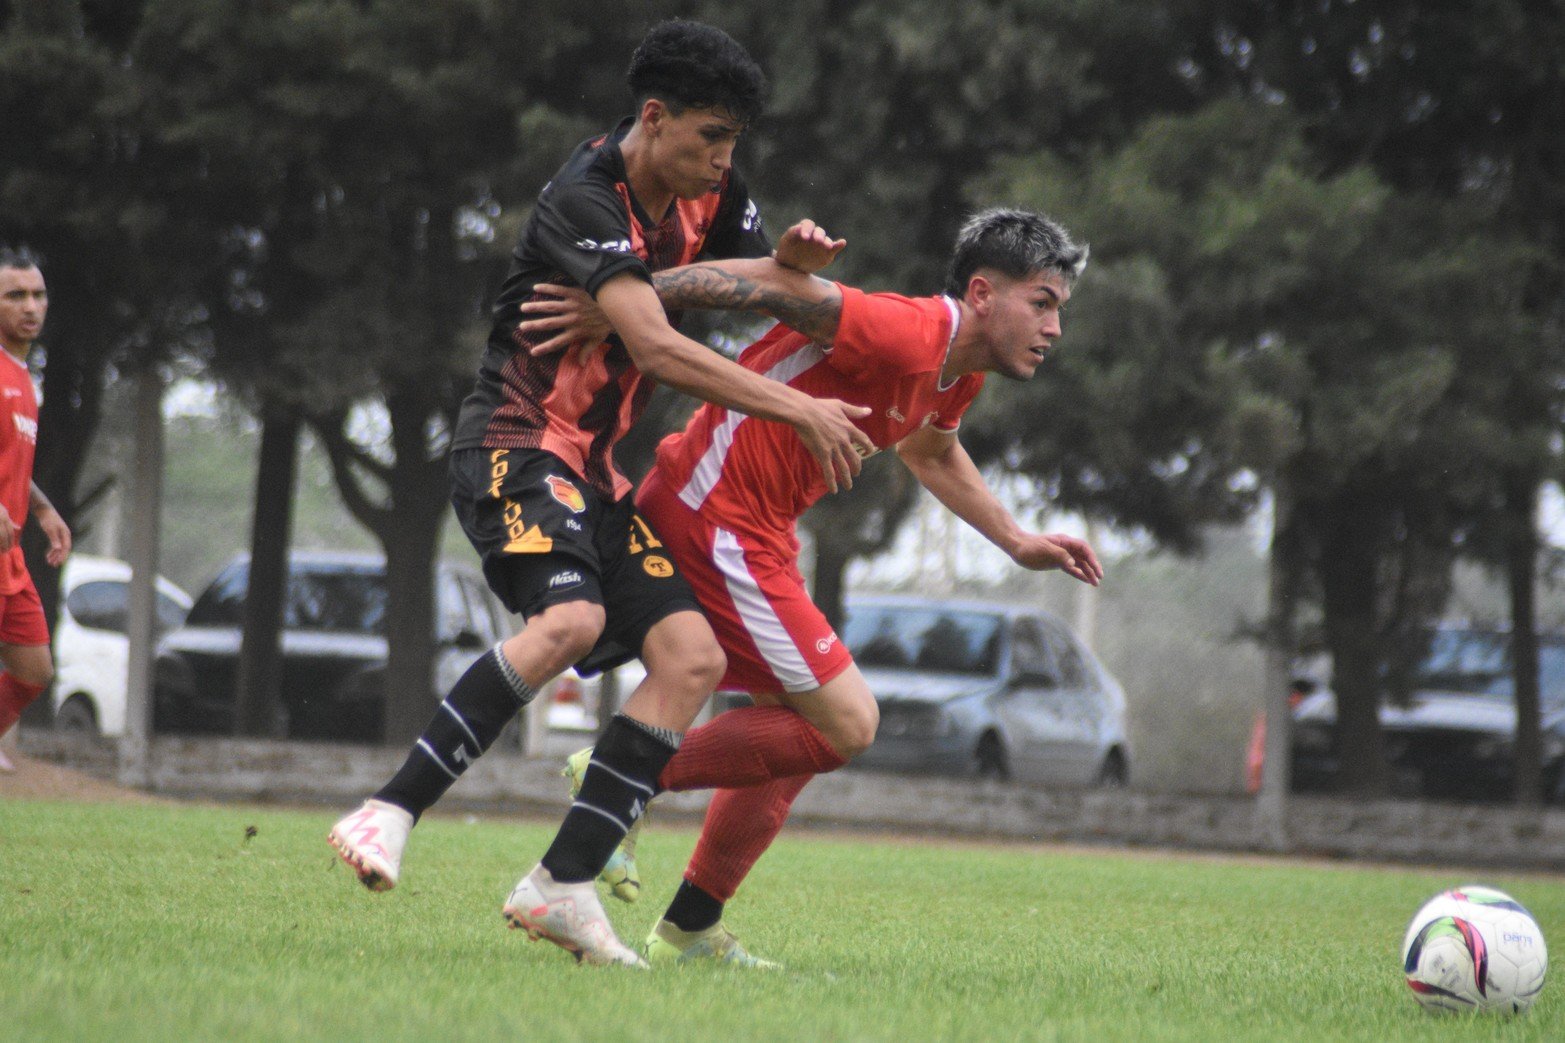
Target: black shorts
[547,538]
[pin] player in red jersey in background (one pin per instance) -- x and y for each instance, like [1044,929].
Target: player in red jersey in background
[726,492]
[536,490]
[24,633]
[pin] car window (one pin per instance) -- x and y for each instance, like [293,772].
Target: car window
[346,601]
[101,605]
[171,614]
[1067,658]
[222,603]
[1029,652]
[1479,663]
[913,638]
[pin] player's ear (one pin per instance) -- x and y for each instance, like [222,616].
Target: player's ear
[652,113]
[980,293]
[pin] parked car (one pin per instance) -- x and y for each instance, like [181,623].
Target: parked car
[1455,735]
[333,646]
[91,647]
[970,688]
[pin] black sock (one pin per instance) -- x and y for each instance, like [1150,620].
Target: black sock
[620,780]
[693,909]
[480,705]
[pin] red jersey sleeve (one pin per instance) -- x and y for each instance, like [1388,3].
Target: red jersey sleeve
[884,335]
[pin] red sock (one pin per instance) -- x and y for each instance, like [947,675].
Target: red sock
[14,698]
[740,825]
[749,746]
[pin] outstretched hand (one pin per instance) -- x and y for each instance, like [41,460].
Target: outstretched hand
[1070,555]
[807,248]
[566,315]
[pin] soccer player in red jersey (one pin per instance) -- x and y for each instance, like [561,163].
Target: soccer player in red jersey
[725,494]
[536,490]
[24,634]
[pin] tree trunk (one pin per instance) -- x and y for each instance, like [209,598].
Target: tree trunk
[257,708]
[1347,568]
[68,418]
[410,630]
[831,565]
[1521,554]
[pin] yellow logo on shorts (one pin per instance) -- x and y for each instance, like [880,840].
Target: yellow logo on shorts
[662,568]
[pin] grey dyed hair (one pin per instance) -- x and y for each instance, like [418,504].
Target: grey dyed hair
[1017,243]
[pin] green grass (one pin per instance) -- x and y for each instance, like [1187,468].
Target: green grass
[164,923]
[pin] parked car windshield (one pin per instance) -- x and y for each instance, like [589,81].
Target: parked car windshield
[1478,663]
[906,638]
[337,599]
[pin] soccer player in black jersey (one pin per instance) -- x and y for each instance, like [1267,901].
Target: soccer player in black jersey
[535,487]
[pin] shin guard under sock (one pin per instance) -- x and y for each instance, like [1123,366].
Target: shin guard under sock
[620,780]
[465,724]
[749,746]
[740,825]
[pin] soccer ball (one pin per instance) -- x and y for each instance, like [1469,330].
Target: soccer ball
[1474,948]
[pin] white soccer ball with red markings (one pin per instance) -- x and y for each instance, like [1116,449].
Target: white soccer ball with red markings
[1474,948]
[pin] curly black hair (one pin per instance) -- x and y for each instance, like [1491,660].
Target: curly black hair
[688,65]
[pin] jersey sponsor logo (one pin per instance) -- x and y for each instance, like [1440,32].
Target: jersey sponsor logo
[824,644]
[656,565]
[611,246]
[27,427]
[570,578]
[566,493]
[752,216]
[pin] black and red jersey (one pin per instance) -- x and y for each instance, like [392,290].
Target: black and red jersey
[587,228]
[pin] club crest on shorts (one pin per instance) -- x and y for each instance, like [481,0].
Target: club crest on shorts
[657,566]
[566,493]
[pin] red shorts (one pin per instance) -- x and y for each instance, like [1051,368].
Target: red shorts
[775,638]
[21,618]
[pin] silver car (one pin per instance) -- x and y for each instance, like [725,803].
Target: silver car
[989,690]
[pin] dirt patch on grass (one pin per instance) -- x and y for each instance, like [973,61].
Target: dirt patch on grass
[39,780]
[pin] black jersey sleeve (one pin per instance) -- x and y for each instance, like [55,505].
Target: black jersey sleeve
[583,230]
[736,230]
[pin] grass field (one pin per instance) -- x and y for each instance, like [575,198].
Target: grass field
[164,922]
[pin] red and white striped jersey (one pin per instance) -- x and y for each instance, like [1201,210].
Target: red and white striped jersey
[756,476]
[18,443]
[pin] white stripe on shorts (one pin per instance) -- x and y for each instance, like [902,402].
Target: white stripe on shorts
[755,612]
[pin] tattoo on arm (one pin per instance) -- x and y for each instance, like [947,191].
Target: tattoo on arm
[713,286]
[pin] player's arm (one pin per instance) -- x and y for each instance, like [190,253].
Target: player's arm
[942,466]
[781,287]
[667,356]
[52,524]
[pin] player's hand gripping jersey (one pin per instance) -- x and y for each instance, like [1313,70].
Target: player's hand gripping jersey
[756,477]
[587,228]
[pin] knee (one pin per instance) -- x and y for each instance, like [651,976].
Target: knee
[567,632]
[695,664]
[852,728]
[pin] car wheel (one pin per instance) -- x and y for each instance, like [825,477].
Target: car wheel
[993,763]
[76,715]
[1115,773]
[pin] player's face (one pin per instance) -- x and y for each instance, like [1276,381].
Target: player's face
[1021,321]
[694,150]
[23,304]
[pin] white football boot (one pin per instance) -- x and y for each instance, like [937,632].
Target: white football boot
[371,841]
[570,916]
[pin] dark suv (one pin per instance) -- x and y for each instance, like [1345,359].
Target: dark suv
[1454,736]
[333,647]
